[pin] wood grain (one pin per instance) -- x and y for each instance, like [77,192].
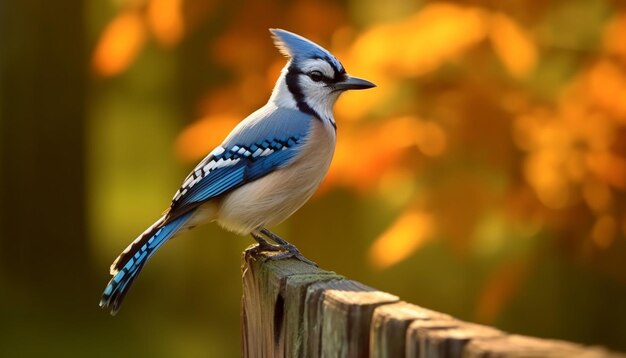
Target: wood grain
[293,309]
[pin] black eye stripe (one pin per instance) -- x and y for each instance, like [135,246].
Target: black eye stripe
[339,74]
[337,67]
[323,78]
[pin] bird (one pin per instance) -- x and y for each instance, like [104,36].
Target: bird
[269,165]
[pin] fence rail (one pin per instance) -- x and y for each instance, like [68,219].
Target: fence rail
[292,309]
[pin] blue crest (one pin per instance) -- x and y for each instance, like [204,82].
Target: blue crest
[298,48]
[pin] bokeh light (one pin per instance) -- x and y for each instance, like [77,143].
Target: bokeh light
[484,176]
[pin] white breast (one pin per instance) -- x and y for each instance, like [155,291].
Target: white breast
[274,197]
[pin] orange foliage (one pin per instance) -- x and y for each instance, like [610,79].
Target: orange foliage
[405,236]
[380,147]
[574,151]
[606,82]
[609,167]
[604,230]
[556,154]
[572,144]
[614,36]
[165,20]
[314,17]
[411,47]
[513,45]
[420,43]
[597,195]
[119,43]
[201,137]
[126,34]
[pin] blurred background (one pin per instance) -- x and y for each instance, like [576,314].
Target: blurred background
[489,181]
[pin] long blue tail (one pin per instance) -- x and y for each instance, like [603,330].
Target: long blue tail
[128,265]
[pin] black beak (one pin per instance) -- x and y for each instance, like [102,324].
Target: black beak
[353,83]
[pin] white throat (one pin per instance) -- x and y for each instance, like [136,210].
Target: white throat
[322,103]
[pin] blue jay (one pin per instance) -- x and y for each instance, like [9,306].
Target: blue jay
[266,168]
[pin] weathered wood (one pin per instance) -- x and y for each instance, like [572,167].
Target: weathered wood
[444,337]
[292,309]
[344,309]
[273,305]
[515,346]
[389,327]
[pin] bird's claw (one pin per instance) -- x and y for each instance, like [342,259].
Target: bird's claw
[261,247]
[289,251]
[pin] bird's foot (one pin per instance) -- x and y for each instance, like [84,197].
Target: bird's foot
[262,245]
[258,248]
[289,251]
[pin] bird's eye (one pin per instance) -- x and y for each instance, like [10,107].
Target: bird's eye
[316,76]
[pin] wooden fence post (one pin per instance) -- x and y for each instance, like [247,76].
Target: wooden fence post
[292,309]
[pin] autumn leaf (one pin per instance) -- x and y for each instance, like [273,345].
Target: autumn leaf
[513,45]
[165,20]
[406,235]
[119,44]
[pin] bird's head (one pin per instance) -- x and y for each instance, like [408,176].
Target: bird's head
[313,78]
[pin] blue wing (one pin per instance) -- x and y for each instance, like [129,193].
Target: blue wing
[268,139]
[265,141]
